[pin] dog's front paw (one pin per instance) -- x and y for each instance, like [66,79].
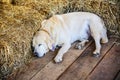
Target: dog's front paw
[58,59]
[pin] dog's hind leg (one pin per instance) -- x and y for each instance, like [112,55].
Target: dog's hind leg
[96,53]
[98,32]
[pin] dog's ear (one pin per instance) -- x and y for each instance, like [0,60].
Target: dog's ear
[46,23]
[43,23]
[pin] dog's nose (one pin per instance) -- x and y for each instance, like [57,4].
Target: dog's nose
[36,53]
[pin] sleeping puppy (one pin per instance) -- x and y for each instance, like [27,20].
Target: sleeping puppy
[63,30]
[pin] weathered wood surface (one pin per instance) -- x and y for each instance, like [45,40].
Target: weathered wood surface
[84,65]
[76,65]
[118,76]
[108,67]
[52,71]
[34,67]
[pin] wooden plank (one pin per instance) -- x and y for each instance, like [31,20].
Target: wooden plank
[28,71]
[51,71]
[118,76]
[108,67]
[85,63]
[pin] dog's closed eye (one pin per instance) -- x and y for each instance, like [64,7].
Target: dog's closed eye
[39,44]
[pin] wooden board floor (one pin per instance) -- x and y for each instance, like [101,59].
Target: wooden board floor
[76,65]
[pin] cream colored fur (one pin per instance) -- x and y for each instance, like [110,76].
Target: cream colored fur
[63,30]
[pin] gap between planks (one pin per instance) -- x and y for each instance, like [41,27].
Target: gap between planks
[117,77]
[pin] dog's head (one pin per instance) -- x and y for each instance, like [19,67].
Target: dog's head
[42,41]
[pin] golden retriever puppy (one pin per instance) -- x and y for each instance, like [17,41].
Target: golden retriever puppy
[63,30]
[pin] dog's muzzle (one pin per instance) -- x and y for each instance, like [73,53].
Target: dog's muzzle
[38,55]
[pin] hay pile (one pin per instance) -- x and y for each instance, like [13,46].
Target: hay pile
[46,7]
[17,25]
[20,19]
[109,10]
